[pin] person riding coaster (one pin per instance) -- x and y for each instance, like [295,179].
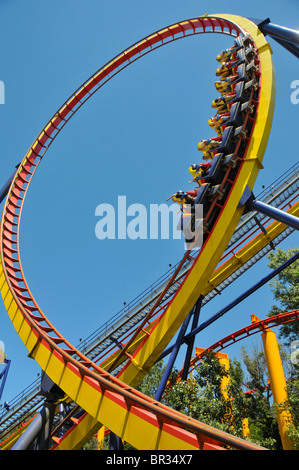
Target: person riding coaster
[191,220]
[230,53]
[230,79]
[225,86]
[223,104]
[208,147]
[183,198]
[218,122]
[223,100]
[227,68]
[199,172]
[227,54]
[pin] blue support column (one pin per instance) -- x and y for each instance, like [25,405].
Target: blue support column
[4,374]
[276,214]
[248,200]
[235,302]
[286,37]
[279,32]
[40,426]
[173,357]
[115,442]
[38,433]
[44,437]
[190,343]
[5,187]
[292,48]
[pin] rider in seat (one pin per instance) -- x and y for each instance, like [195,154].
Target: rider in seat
[208,147]
[183,198]
[218,122]
[199,172]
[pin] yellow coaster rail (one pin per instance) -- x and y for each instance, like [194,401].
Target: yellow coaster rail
[112,401]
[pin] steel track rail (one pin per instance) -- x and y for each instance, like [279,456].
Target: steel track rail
[93,345]
[245,332]
[255,327]
[242,334]
[97,343]
[44,342]
[96,340]
[29,398]
[237,265]
[249,330]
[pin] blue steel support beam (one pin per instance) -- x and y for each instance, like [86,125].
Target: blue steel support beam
[38,433]
[42,420]
[276,214]
[235,302]
[279,32]
[6,186]
[173,357]
[4,374]
[248,200]
[115,442]
[44,437]
[293,48]
[191,341]
[286,37]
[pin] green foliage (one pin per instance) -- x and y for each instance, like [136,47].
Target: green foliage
[183,396]
[92,444]
[260,410]
[285,288]
[292,405]
[150,383]
[201,396]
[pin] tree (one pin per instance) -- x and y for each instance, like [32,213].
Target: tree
[201,395]
[248,394]
[292,405]
[150,382]
[285,288]
[260,410]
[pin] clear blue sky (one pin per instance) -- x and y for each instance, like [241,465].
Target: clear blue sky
[136,137]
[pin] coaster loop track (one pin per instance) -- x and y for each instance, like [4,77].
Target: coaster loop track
[107,399]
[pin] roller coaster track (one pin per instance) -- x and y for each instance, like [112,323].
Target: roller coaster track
[30,399]
[255,327]
[229,271]
[112,400]
[26,404]
[127,318]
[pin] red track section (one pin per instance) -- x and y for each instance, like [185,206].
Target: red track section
[11,256]
[255,327]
